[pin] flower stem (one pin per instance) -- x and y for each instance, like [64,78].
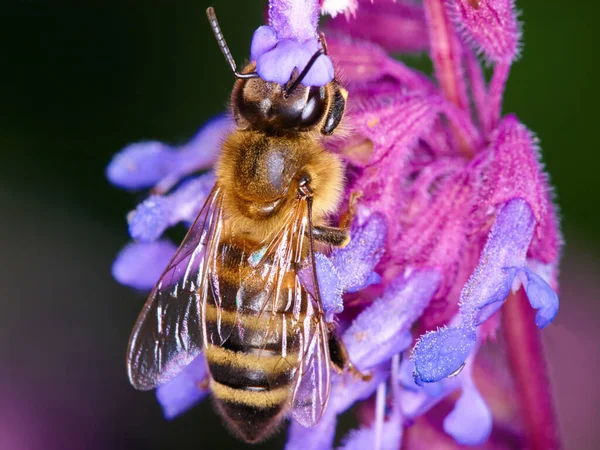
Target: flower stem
[528,366]
[446,55]
[496,91]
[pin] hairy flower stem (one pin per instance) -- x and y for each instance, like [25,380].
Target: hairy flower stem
[496,90]
[446,56]
[528,366]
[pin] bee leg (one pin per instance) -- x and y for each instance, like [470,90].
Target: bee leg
[337,237]
[340,360]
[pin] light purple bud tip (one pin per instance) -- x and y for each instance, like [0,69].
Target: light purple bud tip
[439,354]
[141,165]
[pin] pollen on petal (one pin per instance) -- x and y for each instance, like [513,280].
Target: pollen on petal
[155,214]
[470,422]
[184,391]
[139,264]
[439,354]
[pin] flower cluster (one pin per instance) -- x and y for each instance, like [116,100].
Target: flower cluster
[455,216]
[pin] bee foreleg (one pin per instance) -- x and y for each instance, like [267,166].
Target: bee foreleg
[337,237]
[340,360]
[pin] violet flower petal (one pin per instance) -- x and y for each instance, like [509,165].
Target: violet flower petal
[155,214]
[146,164]
[278,64]
[506,246]
[289,42]
[541,297]
[330,286]
[470,422]
[319,437]
[492,28]
[439,354]
[182,392]
[264,39]
[139,264]
[141,165]
[366,247]
[380,330]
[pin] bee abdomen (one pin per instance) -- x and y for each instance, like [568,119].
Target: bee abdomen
[251,388]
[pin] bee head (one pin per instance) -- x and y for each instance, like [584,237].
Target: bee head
[264,105]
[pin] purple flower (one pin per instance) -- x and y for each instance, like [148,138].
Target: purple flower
[455,225]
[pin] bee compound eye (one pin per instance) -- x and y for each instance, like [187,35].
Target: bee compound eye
[314,107]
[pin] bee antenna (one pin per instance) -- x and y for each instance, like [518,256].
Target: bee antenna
[302,75]
[214,24]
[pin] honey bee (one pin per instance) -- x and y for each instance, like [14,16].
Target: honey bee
[233,290]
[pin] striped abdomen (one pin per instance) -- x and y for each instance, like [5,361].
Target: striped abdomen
[253,347]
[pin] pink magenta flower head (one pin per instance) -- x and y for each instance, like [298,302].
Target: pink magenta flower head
[455,217]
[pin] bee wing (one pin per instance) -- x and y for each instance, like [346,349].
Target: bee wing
[307,326]
[168,333]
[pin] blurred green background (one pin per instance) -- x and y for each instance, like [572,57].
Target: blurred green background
[80,80]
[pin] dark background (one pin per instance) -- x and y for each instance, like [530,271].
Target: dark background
[80,80]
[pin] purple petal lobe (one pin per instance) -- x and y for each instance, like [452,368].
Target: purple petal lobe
[147,164]
[263,40]
[278,64]
[152,217]
[141,165]
[541,297]
[440,353]
[362,254]
[183,391]
[202,150]
[139,264]
[470,422]
[492,28]
[379,331]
